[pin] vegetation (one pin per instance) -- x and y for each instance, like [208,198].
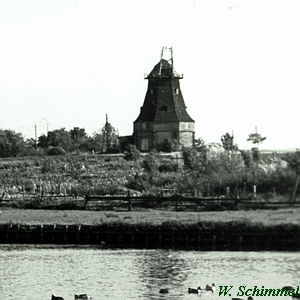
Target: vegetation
[12,144]
[132,153]
[70,163]
[59,142]
[228,142]
[206,174]
[262,218]
[293,160]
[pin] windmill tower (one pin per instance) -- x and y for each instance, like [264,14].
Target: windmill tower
[163,119]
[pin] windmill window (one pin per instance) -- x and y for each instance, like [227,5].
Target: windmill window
[151,91]
[176,91]
[164,108]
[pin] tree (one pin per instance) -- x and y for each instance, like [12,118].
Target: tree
[247,158]
[110,138]
[60,137]
[11,143]
[293,160]
[227,142]
[190,158]
[255,138]
[80,140]
[55,138]
[106,140]
[151,161]
[31,148]
[202,148]
[78,134]
[43,141]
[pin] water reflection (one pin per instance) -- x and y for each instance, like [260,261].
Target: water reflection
[162,269]
[37,272]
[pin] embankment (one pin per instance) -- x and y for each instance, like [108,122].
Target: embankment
[232,236]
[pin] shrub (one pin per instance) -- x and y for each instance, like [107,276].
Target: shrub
[132,153]
[168,146]
[56,151]
[150,163]
[168,167]
[190,158]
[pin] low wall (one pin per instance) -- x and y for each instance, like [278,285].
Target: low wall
[107,235]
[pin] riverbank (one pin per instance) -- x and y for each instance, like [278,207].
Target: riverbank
[229,230]
[264,218]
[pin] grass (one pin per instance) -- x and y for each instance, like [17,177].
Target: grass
[262,218]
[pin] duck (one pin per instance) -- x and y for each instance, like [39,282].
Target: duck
[287,288]
[164,291]
[249,298]
[82,296]
[56,298]
[194,291]
[211,288]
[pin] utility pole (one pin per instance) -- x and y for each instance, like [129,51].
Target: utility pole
[35,130]
[47,125]
[256,167]
[107,129]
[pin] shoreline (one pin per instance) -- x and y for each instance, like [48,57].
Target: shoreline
[164,237]
[264,218]
[215,231]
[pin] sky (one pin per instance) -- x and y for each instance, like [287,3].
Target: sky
[66,64]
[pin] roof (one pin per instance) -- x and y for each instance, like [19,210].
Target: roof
[161,103]
[163,69]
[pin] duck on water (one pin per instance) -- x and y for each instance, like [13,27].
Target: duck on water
[194,291]
[209,287]
[295,295]
[56,298]
[82,296]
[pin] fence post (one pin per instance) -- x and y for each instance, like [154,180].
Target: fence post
[227,192]
[2,197]
[86,200]
[129,200]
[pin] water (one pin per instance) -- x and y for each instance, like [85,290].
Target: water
[36,272]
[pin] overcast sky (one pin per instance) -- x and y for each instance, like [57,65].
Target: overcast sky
[68,63]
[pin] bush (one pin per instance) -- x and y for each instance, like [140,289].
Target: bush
[168,146]
[140,182]
[132,153]
[168,167]
[190,158]
[150,163]
[56,151]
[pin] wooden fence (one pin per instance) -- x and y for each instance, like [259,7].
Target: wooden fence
[180,203]
[130,202]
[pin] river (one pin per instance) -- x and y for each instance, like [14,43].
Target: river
[38,271]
